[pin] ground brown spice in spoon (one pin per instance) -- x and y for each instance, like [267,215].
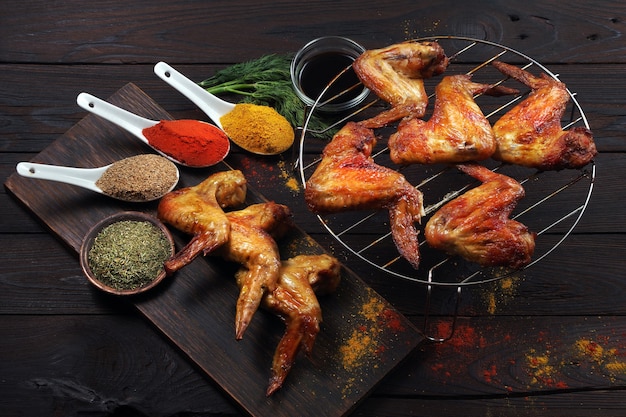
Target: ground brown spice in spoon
[139,178]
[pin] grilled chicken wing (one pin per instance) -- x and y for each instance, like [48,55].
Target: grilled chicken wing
[245,236]
[294,301]
[198,211]
[347,178]
[396,73]
[456,132]
[531,134]
[252,244]
[477,226]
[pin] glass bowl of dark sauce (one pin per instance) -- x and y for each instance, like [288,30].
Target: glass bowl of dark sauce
[322,74]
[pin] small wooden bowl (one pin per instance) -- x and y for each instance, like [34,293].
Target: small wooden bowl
[95,230]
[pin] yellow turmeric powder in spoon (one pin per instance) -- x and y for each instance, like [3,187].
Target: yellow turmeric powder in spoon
[258,129]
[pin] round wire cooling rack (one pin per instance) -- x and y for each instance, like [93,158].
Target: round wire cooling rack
[554,201]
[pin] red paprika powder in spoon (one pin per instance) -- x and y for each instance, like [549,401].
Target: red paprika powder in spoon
[192,142]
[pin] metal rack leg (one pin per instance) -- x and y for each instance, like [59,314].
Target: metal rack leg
[425,331]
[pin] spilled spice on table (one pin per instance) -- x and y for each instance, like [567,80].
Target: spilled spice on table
[365,347]
[490,373]
[466,346]
[591,350]
[616,367]
[547,361]
[303,245]
[599,356]
[609,360]
[500,293]
[287,175]
[362,344]
[260,169]
[543,369]
[413,29]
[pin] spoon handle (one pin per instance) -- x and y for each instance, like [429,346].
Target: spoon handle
[123,118]
[213,106]
[81,177]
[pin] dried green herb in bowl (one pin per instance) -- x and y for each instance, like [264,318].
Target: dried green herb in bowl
[124,254]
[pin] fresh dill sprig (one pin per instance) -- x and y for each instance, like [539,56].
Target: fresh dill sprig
[266,81]
[273,67]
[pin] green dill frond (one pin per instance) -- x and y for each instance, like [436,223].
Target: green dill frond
[265,81]
[272,67]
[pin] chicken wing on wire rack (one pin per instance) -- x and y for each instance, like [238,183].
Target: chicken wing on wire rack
[554,201]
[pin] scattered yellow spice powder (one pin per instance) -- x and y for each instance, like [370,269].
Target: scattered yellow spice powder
[601,356]
[500,293]
[355,348]
[616,367]
[590,349]
[290,181]
[363,343]
[541,369]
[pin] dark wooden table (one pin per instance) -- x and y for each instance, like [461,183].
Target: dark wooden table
[551,341]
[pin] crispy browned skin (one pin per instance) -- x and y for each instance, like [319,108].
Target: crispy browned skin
[531,134]
[476,225]
[294,300]
[395,74]
[347,178]
[252,244]
[248,237]
[245,236]
[198,211]
[456,132]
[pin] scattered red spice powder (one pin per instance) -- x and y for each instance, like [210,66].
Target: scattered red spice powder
[490,373]
[462,335]
[366,344]
[591,348]
[465,346]
[392,320]
[603,354]
[543,369]
[191,142]
[437,367]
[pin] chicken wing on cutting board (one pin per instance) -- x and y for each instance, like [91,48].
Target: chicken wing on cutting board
[198,211]
[252,244]
[294,300]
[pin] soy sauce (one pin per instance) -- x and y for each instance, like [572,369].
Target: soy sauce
[321,70]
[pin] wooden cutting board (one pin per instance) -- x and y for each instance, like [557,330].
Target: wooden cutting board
[362,337]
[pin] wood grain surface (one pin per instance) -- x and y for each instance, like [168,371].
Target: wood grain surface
[521,347]
[195,307]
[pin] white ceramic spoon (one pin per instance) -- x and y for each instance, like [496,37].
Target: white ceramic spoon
[126,120]
[80,177]
[213,106]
